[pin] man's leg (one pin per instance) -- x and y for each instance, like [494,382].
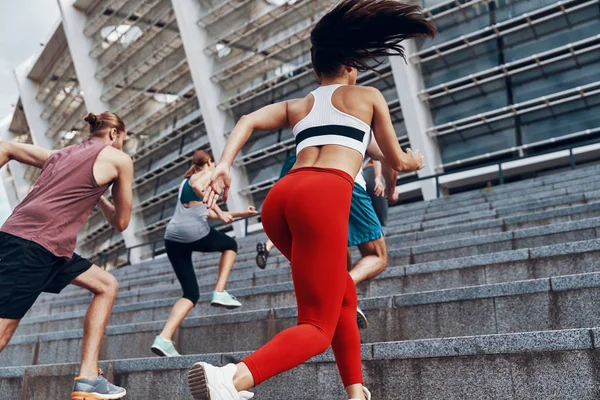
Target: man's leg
[105,287]
[7,330]
[373,262]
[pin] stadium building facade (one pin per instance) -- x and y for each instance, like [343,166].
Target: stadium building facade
[502,80]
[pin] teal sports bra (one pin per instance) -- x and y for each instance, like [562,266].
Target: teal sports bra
[187,193]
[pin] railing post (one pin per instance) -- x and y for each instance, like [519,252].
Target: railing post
[246,227]
[571,158]
[437,187]
[154,250]
[181,144]
[500,174]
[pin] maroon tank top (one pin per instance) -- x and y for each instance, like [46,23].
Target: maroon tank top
[61,200]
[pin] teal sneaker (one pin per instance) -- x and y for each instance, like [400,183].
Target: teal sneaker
[164,348]
[95,389]
[224,299]
[361,319]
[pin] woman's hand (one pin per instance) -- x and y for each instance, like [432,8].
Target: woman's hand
[220,181]
[417,158]
[251,211]
[379,188]
[226,217]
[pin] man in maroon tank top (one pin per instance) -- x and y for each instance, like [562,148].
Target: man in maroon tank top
[37,242]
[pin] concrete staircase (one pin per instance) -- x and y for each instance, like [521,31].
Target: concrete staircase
[489,295]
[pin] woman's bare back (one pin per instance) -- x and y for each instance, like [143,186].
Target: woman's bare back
[356,101]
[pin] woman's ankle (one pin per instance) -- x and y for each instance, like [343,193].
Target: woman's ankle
[355,392]
[243,379]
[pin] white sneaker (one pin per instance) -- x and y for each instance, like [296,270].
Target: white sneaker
[208,382]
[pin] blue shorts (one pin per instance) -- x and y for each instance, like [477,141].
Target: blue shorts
[363,225]
[288,163]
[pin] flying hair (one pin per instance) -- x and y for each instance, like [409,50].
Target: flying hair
[359,33]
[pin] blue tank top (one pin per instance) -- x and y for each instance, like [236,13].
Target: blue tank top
[188,194]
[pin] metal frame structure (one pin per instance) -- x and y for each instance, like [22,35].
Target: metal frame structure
[147,35]
[142,9]
[143,67]
[450,7]
[103,16]
[522,149]
[62,69]
[539,60]
[266,87]
[268,17]
[183,97]
[541,103]
[269,52]
[516,24]
[158,85]
[222,10]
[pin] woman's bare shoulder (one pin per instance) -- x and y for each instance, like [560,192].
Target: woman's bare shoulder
[368,91]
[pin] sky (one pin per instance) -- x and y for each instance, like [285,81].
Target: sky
[24,26]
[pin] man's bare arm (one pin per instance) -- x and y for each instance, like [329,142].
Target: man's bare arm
[24,153]
[118,213]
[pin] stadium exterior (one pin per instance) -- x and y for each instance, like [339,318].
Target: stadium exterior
[502,81]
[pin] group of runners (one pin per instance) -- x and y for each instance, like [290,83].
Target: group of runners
[330,197]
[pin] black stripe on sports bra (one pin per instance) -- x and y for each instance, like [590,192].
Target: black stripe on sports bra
[339,130]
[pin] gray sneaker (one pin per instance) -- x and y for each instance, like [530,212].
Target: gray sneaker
[96,389]
[164,348]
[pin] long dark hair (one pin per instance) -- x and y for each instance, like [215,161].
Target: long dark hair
[357,32]
[200,159]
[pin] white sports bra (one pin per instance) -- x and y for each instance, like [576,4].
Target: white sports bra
[325,124]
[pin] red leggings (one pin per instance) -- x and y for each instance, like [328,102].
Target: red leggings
[306,216]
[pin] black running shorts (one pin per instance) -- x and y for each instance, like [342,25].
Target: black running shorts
[28,269]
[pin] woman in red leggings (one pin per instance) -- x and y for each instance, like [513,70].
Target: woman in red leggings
[306,212]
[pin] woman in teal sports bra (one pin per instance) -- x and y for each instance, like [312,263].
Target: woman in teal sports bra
[189,231]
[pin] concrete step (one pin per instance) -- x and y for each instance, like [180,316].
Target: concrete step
[247,250]
[530,237]
[579,229]
[509,266]
[534,365]
[534,305]
[546,184]
[414,234]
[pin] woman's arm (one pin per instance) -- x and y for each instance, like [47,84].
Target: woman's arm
[274,116]
[389,174]
[217,213]
[228,217]
[384,132]
[242,214]
[379,186]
